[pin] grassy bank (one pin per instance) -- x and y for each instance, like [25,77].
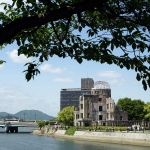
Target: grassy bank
[70,131]
[102,128]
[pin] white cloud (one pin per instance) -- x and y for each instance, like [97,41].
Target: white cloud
[15,99]
[1,66]
[49,68]
[18,59]
[63,80]
[117,82]
[113,78]
[109,74]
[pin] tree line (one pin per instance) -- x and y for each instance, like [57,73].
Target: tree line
[137,109]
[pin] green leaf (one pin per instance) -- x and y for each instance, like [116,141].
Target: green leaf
[28,76]
[19,3]
[23,41]
[2,3]
[148,81]
[18,42]
[134,46]
[8,11]
[144,84]
[41,58]
[80,28]
[2,61]
[79,60]
[37,71]
[5,6]
[128,66]
[121,66]
[138,77]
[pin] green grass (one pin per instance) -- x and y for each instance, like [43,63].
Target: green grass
[103,128]
[70,131]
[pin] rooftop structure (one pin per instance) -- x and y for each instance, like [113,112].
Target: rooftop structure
[87,83]
[75,89]
[101,85]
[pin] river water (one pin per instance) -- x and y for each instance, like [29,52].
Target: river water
[26,141]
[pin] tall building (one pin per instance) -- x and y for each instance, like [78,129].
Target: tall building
[70,96]
[87,83]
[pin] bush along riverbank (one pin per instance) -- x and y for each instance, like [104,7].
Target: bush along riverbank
[107,135]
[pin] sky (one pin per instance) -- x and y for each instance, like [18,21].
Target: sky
[43,93]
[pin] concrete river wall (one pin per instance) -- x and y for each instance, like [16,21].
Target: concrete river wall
[142,139]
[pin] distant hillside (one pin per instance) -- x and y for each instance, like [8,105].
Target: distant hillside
[27,115]
[33,115]
[5,115]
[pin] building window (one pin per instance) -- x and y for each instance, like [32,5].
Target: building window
[107,106]
[100,108]
[121,118]
[81,106]
[111,105]
[111,116]
[81,115]
[77,116]
[100,99]
[100,117]
[88,115]
[107,115]
[88,105]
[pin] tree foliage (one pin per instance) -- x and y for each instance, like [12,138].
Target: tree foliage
[135,108]
[117,32]
[41,124]
[65,115]
[147,111]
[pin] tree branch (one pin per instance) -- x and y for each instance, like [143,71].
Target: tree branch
[82,20]
[10,30]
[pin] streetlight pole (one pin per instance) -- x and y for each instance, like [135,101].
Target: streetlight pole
[35,117]
[8,116]
[24,116]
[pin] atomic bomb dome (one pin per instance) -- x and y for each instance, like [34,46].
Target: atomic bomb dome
[101,85]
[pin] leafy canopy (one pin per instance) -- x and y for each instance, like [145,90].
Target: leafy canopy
[135,108]
[147,111]
[117,32]
[65,115]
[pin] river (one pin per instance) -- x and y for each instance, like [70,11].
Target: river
[26,141]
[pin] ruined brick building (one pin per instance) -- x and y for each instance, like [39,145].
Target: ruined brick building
[98,108]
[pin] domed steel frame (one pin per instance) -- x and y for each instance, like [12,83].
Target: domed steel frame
[101,85]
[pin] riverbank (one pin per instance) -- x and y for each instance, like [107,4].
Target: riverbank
[140,139]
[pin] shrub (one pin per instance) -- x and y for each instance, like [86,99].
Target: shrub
[41,124]
[70,131]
